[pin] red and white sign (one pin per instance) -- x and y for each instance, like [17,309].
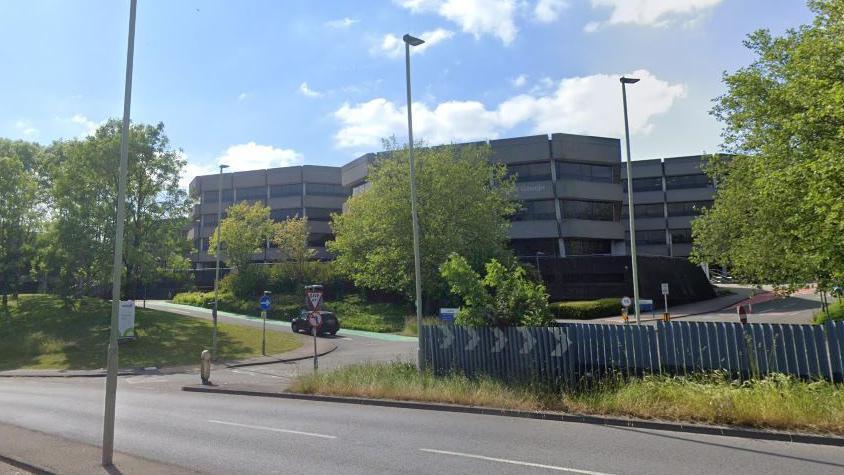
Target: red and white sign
[315,319]
[314,299]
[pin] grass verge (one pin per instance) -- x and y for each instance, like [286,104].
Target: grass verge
[40,332]
[777,402]
[354,312]
[836,312]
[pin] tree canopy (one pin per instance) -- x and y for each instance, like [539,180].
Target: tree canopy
[243,233]
[464,203]
[779,214]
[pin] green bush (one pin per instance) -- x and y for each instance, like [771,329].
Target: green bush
[836,312]
[586,309]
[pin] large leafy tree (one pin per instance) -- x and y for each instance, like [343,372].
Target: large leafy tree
[779,213]
[464,202]
[18,221]
[291,237]
[243,234]
[83,178]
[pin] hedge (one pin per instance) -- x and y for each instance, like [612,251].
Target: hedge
[586,309]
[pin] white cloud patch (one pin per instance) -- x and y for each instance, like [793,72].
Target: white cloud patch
[547,11]
[519,81]
[89,126]
[242,157]
[306,91]
[341,23]
[242,96]
[587,105]
[477,17]
[392,46]
[650,12]
[26,128]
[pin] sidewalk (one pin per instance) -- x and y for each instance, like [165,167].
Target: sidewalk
[27,451]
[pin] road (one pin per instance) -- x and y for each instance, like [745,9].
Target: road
[797,308]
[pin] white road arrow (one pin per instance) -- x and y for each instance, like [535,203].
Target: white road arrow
[449,337]
[529,341]
[500,340]
[563,343]
[475,339]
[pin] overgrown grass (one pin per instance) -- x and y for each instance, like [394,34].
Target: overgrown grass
[776,402]
[586,309]
[40,332]
[836,312]
[353,311]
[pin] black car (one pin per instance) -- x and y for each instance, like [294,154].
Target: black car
[330,324]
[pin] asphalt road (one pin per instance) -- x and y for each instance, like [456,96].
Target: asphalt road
[795,309]
[239,434]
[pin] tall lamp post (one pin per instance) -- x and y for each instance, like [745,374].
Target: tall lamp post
[217,259]
[630,210]
[117,269]
[408,42]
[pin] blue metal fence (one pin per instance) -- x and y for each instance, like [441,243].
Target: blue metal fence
[581,350]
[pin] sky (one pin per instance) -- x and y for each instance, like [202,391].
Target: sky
[259,84]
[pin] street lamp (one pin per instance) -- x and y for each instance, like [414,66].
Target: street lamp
[217,259]
[408,42]
[117,269]
[538,254]
[630,210]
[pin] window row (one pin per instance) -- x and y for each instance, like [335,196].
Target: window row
[678,236]
[539,210]
[678,182]
[587,247]
[657,210]
[258,193]
[565,170]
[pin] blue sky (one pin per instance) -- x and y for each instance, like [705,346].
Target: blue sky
[273,83]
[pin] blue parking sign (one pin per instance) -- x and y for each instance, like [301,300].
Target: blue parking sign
[265,302]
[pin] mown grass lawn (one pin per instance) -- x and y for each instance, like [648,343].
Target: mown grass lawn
[775,402]
[40,332]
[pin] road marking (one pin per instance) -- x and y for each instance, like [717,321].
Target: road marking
[273,429]
[514,462]
[145,379]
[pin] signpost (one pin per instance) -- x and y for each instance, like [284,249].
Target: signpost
[126,320]
[265,303]
[313,300]
[665,315]
[625,303]
[448,314]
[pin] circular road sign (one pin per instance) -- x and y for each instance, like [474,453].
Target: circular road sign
[626,302]
[315,319]
[265,302]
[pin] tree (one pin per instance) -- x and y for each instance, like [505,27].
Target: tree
[291,237]
[503,297]
[18,220]
[779,215]
[83,178]
[243,233]
[464,202]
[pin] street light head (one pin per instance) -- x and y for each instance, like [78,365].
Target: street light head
[412,40]
[626,80]
[223,167]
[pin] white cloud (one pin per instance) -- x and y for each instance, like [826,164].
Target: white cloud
[89,125]
[547,11]
[393,46]
[519,81]
[242,96]
[341,23]
[650,12]
[307,91]
[587,105]
[242,157]
[478,17]
[26,128]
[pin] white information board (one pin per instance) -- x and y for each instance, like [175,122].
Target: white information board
[126,319]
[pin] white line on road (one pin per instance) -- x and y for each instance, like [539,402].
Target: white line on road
[273,429]
[514,462]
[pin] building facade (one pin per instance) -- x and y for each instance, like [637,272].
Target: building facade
[572,187]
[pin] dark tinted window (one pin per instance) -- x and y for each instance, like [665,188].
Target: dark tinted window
[254,193]
[597,210]
[648,210]
[531,171]
[645,184]
[321,214]
[681,236]
[211,196]
[285,213]
[536,210]
[687,208]
[648,237]
[687,181]
[277,191]
[530,247]
[584,247]
[587,172]
[326,189]
[318,239]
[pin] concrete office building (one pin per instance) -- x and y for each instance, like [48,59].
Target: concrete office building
[572,187]
[667,195]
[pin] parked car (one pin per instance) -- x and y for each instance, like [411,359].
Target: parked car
[330,323]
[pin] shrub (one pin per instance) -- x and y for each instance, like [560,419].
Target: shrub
[836,312]
[586,309]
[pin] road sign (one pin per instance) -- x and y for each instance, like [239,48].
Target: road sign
[126,320]
[315,319]
[314,299]
[664,288]
[626,302]
[448,314]
[646,305]
[265,302]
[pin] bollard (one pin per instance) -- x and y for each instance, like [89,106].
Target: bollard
[205,367]
[624,317]
[666,317]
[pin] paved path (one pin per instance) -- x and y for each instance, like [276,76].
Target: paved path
[237,434]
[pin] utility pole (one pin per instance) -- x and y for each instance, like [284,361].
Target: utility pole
[630,209]
[117,270]
[217,259]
